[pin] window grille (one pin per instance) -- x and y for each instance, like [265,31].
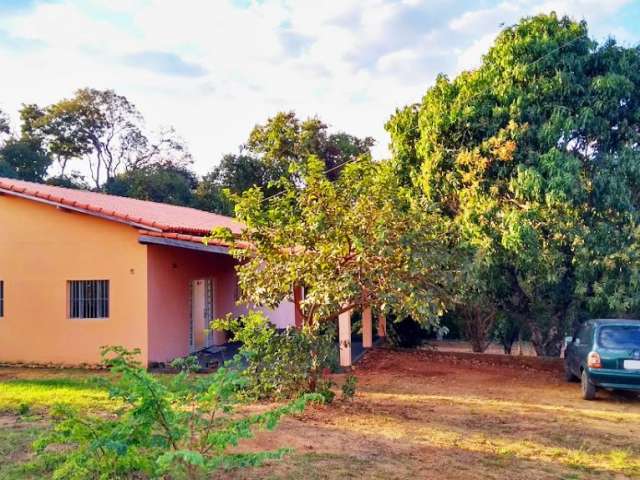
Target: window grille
[89,299]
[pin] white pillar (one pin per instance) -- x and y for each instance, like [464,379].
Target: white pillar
[382,325]
[367,328]
[344,337]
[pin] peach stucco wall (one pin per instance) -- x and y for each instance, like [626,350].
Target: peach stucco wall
[41,248]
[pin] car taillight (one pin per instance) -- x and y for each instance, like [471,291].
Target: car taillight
[593,360]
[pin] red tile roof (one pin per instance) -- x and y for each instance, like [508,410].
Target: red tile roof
[160,216]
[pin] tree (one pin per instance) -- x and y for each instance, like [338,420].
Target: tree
[24,159]
[285,141]
[534,156]
[57,129]
[104,128]
[235,173]
[359,240]
[5,127]
[157,183]
[275,151]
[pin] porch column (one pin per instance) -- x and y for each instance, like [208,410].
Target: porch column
[367,328]
[382,325]
[344,337]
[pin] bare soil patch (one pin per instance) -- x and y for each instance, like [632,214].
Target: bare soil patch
[430,415]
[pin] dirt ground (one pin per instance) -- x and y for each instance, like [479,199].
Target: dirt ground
[416,415]
[429,415]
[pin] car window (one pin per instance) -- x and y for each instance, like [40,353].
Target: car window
[619,336]
[584,335]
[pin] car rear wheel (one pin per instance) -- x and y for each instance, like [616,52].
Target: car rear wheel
[588,388]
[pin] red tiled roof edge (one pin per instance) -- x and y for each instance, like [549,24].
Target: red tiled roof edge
[190,238]
[92,209]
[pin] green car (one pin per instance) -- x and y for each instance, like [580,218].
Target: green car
[604,354]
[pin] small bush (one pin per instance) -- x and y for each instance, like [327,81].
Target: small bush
[349,387]
[179,428]
[281,365]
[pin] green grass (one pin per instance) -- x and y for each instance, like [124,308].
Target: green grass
[38,395]
[24,408]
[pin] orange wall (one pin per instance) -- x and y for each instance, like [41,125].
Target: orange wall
[170,272]
[41,248]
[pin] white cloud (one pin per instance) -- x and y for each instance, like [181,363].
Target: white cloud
[213,69]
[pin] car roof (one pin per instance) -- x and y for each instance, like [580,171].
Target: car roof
[615,321]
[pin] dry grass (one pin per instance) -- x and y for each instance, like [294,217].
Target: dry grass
[421,416]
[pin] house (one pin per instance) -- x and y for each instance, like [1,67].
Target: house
[79,270]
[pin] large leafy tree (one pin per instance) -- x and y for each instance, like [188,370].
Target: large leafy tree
[284,141]
[361,239]
[158,183]
[105,129]
[275,151]
[535,157]
[24,159]
[235,173]
[4,124]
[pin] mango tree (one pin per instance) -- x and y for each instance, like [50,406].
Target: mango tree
[535,157]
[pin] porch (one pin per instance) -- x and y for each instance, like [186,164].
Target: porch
[189,285]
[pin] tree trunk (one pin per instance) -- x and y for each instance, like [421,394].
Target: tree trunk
[477,326]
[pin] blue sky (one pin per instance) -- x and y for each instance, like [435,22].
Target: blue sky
[214,68]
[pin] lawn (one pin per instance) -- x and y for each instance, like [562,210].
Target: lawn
[416,415]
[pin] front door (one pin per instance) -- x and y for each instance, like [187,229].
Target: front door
[202,312]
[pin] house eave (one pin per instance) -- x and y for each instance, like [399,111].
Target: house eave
[188,245]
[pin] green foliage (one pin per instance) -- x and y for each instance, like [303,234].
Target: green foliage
[281,365]
[5,127]
[285,142]
[534,157]
[24,159]
[158,183]
[361,239]
[178,429]
[273,152]
[104,129]
[349,387]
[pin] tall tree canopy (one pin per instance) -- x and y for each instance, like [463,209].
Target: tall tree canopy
[536,157]
[24,159]
[103,128]
[275,151]
[157,183]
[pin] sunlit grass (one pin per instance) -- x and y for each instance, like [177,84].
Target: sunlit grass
[583,458]
[22,396]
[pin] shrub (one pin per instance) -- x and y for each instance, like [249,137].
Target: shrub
[349,387]
[179,428]
[284,364]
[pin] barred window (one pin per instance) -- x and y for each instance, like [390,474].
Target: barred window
[88,298]
[1,298]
